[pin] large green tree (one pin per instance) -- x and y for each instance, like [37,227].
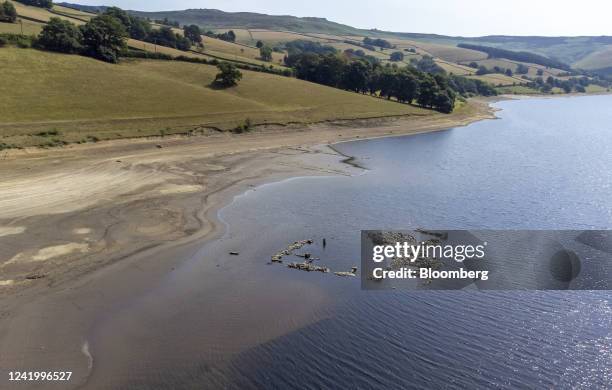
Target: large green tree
[61,35]
[229,36]
[104,38]
[406,86]
[356,76]
[193,33]
[397,56]
[228,75]
[166,37]
[120,15]
[8,13]
[428,89]
[444,101]
[137,28]
[265,52]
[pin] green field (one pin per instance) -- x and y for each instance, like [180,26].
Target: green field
[459,70]
[498,80]
[72,12]
[597,60]
[43,15]
[513,65]
[451,58]
[277,29]
[81,98]
[214,48]
[237,52]
[517,90]
[596,89]
[22,26]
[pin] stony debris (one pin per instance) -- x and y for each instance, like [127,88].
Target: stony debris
[347,274]
[309,267]
[36,276]
[278,257]
[307,256]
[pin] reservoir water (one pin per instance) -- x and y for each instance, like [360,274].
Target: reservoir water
[545,164]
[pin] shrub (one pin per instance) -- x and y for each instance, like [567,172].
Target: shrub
[166,37]
[193,33]
[228,76]
[104,38]
[49,133]
[265,53]
[397,56]
[62,36]
[147,55]
[244,127]
[8,13]
[22,41]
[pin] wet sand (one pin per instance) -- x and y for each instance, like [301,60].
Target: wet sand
[90,230]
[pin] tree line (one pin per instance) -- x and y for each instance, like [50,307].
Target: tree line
[407,84]
[481,70]
[573,84]
[427,64]
[377,42]
[167,22]
[141,29]
[104,36]
[228,36]
[522,56]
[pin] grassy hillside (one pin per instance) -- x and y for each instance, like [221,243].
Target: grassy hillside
[597,60]
[26,27]
[49,98]
[566,49]
[235,51]
[212,18]
[43,15]
[570,50]
[33,19]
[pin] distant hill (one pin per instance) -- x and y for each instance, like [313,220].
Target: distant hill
[592,53]
[87,8]
[523,56]
[569,50]
[213,18]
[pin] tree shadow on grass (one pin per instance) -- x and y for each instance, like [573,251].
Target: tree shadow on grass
[217,86]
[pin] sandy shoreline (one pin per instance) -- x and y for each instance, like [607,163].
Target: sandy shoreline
[69,211]
[81,228]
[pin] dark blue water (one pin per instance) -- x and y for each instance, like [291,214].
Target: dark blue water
[222,321]
[546,164]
